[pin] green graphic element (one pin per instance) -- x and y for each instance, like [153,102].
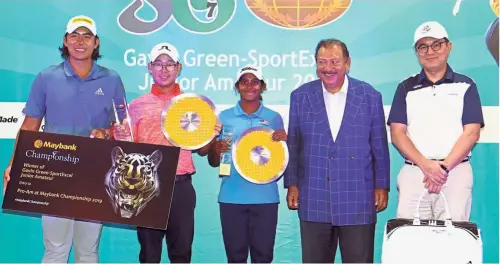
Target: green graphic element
[218,13]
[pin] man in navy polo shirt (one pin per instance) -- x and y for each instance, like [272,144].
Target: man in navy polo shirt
[435,121]
[75,98]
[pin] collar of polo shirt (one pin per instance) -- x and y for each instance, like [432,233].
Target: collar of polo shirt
[94,72]
[157,91]
[238,111]
[448,76]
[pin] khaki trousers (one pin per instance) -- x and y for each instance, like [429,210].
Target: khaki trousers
[61,234]
[457,190]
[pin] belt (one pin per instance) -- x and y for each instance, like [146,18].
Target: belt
[183,177]
[411,163]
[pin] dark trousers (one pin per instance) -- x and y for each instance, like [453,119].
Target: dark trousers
[319,242]
[247,228]
[180,230]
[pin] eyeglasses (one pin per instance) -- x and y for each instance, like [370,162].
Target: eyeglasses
[436,46]
[158,66]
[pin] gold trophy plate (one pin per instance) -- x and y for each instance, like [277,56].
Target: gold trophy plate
[188,121]
[258,158]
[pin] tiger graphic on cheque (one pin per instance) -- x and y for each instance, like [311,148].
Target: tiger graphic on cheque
[132,181]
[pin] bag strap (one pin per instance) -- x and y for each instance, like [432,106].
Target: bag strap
[447,222]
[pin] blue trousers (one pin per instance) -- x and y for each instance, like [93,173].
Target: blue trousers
[249,228]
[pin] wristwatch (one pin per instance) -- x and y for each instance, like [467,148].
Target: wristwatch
[106,134]
[444,168]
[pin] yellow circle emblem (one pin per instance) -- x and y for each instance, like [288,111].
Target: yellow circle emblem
[188,121]
[258,158]
[38,143]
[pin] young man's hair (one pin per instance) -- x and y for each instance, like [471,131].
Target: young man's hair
[65,52]
[262,84]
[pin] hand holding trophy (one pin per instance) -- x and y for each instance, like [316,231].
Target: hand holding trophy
[260,154]
[224,148]
[122,129]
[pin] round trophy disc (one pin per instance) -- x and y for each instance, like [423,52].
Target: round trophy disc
[188,121]
[258,158]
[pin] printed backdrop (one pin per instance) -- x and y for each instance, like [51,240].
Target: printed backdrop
[214,39]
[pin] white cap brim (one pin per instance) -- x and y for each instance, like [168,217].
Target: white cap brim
[436,36]
[74,27]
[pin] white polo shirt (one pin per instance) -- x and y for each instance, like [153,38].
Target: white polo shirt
[435,113]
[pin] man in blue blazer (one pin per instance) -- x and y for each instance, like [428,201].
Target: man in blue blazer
[338,173]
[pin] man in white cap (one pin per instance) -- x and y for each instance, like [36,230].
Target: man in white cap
[82,40]
[145,115]
[75,98]
[435,120]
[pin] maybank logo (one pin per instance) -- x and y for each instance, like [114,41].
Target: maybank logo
[47,144]
[194,16]
[38,143]
[299,14]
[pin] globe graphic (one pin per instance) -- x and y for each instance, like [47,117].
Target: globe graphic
[298,14]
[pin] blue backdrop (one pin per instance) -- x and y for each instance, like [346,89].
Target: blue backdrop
[214,39]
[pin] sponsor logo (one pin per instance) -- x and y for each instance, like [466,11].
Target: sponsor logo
[248,69]
[264,122]
[194,16]
[165,47]
[426,29]
[11,119]
[299,14]
[38,143]
[81,19]
[47,144]
[99,92]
